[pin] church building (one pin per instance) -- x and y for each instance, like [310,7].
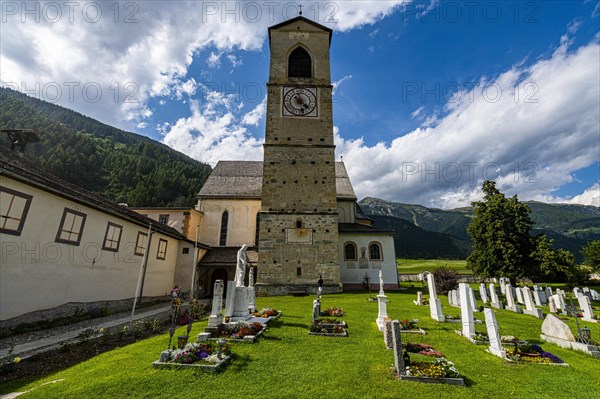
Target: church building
[296,209]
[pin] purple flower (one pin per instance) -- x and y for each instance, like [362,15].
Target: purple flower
[553,358]
[203,355]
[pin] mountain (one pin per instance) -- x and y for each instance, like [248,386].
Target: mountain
[121,166]
[570,226]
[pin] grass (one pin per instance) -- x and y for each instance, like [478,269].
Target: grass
[288,363]
[416,266]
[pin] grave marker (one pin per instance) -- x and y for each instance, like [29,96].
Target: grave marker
[530,309]
[466,312]
[483,293]
[495,347]
[435,306]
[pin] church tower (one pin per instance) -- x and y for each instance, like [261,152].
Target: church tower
[298,227]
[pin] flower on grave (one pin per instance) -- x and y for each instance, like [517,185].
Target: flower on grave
[125,329]
[16,359]
[101,330]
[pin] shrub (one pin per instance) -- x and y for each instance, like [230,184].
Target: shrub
[445,279]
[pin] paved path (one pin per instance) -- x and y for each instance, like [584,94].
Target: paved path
[31,348]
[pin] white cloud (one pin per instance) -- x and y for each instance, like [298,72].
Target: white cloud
[214,60]
[146,49]
[253,117]
[213,132]
[530,143]
[235,61]
[337,84]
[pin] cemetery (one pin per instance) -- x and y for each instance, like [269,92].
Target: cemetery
[290,362]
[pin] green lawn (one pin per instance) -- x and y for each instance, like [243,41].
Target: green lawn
[288,363]
[416,266]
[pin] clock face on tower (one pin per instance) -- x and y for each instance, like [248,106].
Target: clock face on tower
[299,101]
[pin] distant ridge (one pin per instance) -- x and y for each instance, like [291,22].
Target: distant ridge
[571,226]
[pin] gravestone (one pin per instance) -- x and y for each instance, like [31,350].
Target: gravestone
[388,337]
[552,305]
[495,302]
[586,291]
[316,309]
[382,307]
[251,291]
[495,347]
[520,299]
[419,300]
[537,298]
[530,308]
[510,300]
[595,295]
[472,300]
[435,305]
[586,308]
[556,331]
[466,312]
[398,358]
[504,281]
[576,292]
[483,293]
[549,292]
[216,315]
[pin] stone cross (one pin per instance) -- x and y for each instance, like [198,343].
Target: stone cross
[435,306]
[381,283]
[398,358]
[466,312]
[382,307]
[493,334]
[483,293]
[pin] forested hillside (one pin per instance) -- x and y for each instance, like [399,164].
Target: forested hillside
[570,226]
[118,165]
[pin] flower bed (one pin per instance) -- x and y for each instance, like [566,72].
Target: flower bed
[267,313]
[441,371]
[410,327]
[206,355]
[333,312]
[524,351]
[240,330]
[328,329]
[331,323]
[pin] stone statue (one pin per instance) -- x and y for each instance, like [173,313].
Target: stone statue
[315,314]
[242,262]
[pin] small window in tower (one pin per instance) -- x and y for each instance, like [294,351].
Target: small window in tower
[299,64]
[299,271]
[299,224]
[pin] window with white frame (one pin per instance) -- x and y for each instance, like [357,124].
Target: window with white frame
[140,243]
[164,219]
[162,249]
[71,227]
[112,237]
[14,207]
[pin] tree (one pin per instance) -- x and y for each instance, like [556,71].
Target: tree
[556,265]
[499,231]
[445,279]
[591,255]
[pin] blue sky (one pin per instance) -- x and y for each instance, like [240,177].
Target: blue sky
[431,97]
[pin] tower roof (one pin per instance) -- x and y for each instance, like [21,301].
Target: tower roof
[298,19]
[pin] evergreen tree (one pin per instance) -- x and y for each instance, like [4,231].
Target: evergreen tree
[500,233]
[591,255]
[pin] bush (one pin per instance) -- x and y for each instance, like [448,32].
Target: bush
[445,279]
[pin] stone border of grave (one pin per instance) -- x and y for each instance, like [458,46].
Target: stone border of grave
[341,323]
[209,367]
[322,334]
[430,380]
[419,331]
[591,350]
[248,339]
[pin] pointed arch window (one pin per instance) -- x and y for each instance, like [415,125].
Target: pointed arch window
[299,64]
[223,236]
